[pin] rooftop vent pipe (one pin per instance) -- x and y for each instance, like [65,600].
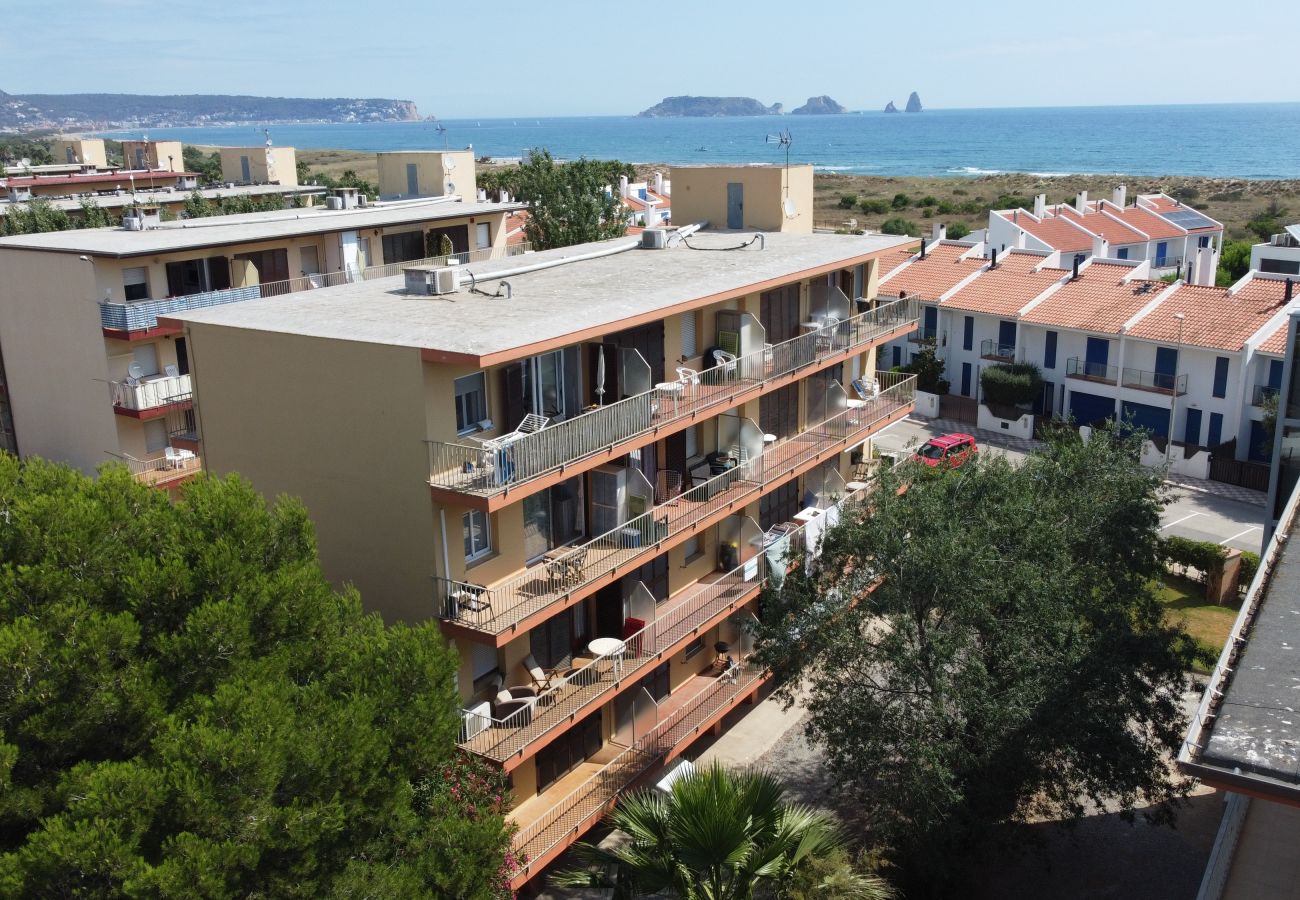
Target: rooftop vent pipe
[1290,290]
[922,248]
[1074,276]
[993,259]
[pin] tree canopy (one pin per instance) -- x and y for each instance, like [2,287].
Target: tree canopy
[187,708]
[987,647]
[571,202]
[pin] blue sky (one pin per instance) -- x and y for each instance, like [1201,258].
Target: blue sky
[508,58]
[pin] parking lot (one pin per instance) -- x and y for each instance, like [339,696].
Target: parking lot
[1203,511]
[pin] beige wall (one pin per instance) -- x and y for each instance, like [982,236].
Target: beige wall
[54,358]
[281,168]
[88,151]
[273,408]
[700,195]
[434,170]
[157,155]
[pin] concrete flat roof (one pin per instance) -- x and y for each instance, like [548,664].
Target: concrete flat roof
[126,198]
[551,304]
[247,228]
[1257,731]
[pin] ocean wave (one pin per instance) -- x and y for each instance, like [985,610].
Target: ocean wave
[975,170]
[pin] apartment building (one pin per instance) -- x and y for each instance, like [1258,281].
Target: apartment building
[89,181]
[426,173]
[79,152]
[1194,363]
[1157,228]
[90,373]
[147,154]
[1281,253]
[586,466]
[648,203]
[259,165]
[767,198]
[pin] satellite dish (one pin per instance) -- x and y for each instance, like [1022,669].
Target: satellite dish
[135,370]
[451,187]
[789,208]
[448,164]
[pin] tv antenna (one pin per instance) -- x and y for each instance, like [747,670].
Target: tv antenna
[442,130]
[782,139]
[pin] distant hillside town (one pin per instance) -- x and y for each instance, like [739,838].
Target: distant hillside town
[71,112]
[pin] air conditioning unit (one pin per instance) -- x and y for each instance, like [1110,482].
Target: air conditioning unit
[654,239]
[424,280]
[333,202]
[608,498]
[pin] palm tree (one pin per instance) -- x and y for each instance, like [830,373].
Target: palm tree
[718,835]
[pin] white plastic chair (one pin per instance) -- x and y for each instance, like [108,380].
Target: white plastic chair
[726,361]
[687,376]
[174,458]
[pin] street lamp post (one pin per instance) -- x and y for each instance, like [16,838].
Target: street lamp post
[1173,402]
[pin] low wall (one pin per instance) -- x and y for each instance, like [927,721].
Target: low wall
[1022,427]
[1192,462]
[927,405]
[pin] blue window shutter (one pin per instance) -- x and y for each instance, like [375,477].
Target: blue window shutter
[1049,351]
[1275,374]
[1215,437]
[968,333]
[1221,376]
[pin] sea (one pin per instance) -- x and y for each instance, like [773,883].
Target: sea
[1248,141]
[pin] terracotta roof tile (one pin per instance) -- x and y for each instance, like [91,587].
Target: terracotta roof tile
[1275,343]
[1098,301]
[1214,318]
[1004,291]
[1057,232]
[932,277]
[1149,222]
[1098,223]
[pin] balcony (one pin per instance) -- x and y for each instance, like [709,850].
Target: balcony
[163,470]
[151,398]
[1264,394]
[122,319]
[991,349]
[1166,263]
[612,430]
[503,609]
[924,335]
[1091,371]
[1156,382]
[558,816]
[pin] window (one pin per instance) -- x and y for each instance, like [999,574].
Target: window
[692,438]
[553,518]
[691,547]
[579,743]
[135,283]
[403,247]
[1203,241]
[478,534]
[482,235]
[1049,351]
[552,643]
[1280,266]
[155,435]
[968,332]
[690,346]
[471,402]
[1121,253]
[146,357]
[1221,376]
[483,662]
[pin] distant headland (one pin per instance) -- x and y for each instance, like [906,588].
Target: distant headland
[819,106]
[671,107]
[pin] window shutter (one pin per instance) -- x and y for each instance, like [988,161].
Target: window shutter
[689,345]
[512,395]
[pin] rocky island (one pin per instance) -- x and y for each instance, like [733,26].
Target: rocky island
[819,106]
[913,104]
[70,112]
[891,108]
[671,107]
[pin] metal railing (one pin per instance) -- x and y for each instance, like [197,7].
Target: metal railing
[924,335]
[1091,371]
[153,393]
[991,349]
[1166,262]
[153,471]
[570,814]
[1263,394]
[504,605]
[144,314]
[487,471]
[559,704]
[1159,382]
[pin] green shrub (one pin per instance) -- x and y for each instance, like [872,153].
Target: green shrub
[1011,384]
[973,208]
[848,201]
[927,200]
[901,201]
[899,225]
[1249,566]
[928,369]
[960,192]
[957,230]
[874,207]
[1182,554]
[946,208]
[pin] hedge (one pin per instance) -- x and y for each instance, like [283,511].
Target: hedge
[1011,384]
[1204,556]
[1249,566]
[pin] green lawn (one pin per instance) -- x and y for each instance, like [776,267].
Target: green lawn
[1207,622]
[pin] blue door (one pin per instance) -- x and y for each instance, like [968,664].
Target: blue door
[1090,409]
[1166,366]
[1096,357]
[898,356]
[1215,437]
[1261,445]
[735,205]
[1043,404]
[1007,336]
[930,322]
[1192,428]
[1275,374]
[965,379]
[1141,417]
[1162,253]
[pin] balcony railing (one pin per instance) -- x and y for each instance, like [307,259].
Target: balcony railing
[1166,262]
[1159,382]
[991,349]
[162,469]
[144,314]
[572,813]
[504,606]
[591,683]
[924,335]
[487,471]
[152,393]
[1091,371]
[1263,394]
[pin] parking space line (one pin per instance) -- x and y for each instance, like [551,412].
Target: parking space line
[1239,534]
[1183,519]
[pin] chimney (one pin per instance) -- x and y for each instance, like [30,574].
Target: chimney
[1203,266]
[622,185]
[1020,239]
[1081,202]
[1040,205]
[1120,196]
[1015,215]
[1100,247]
[659,183]
[923,248]
[939,232]
[1074,275]
[993,260]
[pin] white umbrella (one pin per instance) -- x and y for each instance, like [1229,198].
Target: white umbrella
[600,375]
